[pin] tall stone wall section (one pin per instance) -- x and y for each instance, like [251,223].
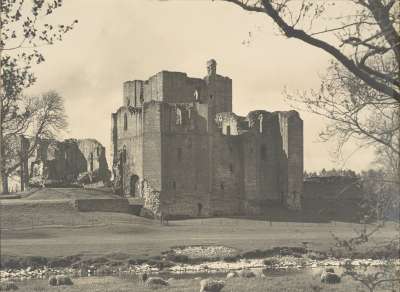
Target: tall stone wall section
[291,127]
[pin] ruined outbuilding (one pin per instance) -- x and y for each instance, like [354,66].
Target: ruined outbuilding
[177,145]
[62,163]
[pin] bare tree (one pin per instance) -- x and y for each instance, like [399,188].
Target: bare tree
[22,32]
[44,117]
[363,31]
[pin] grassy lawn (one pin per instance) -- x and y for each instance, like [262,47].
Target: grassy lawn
[36,225]
[298,282]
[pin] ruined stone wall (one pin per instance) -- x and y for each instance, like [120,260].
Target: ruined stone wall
[102,205]
[227,178]
[185,169]
[152,144]
[261,150]
[129,149]
[133,93]
[220,93]
[291,127]
[64,162]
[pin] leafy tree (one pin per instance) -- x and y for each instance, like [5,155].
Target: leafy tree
[23,32]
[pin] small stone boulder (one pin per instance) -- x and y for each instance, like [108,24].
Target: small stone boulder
[63,280]
[60,280]
[156,281]
[210,285]
[246,274]
[8,286]
[329,277]
[232,275]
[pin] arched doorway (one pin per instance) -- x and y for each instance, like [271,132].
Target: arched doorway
[199,209]
[132,186]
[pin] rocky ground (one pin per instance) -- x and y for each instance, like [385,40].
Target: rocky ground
[197,260]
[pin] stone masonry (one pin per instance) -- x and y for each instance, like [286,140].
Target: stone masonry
[177,145]
[62,163]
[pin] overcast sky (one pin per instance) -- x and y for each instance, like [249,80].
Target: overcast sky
[119,40]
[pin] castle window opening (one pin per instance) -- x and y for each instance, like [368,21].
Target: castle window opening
[125,122]
[199,208]
[211,96]
[91,161]
[228,130]
[174,185]
[230,167]
[222,186]
[98,151]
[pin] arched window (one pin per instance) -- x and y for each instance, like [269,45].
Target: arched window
[125,122]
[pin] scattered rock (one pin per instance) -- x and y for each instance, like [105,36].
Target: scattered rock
[246,274]
[232,275]
[63,280]
[8,286]
[156,281]
[198,278]
[329,277]
[210,285]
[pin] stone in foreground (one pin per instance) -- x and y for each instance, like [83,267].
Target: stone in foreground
[210,285]
[156,281]
[246,274]
[329,277]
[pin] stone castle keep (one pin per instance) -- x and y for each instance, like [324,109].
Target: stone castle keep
[177,145]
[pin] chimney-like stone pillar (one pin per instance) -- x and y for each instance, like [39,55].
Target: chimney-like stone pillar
[211,68]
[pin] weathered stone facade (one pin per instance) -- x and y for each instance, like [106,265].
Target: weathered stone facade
[176,140]
[61,163]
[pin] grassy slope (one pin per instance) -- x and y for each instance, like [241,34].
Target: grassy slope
[39,226]
[293,283]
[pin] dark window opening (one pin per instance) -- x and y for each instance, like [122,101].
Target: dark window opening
[91,161]
[133,181]
[228,130]
[231,167]
[173,185]
[199,208]
[98,151]
[125,122]
[179,154]
[211,96]
[222,186]
[263,152]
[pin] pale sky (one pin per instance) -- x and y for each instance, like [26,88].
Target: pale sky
[119,40]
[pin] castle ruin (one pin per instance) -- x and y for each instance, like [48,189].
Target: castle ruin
[177,145]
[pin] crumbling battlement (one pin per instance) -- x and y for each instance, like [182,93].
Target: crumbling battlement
[62,163]
[179,135]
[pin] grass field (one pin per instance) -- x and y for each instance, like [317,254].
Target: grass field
[57,230]
[293,283]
